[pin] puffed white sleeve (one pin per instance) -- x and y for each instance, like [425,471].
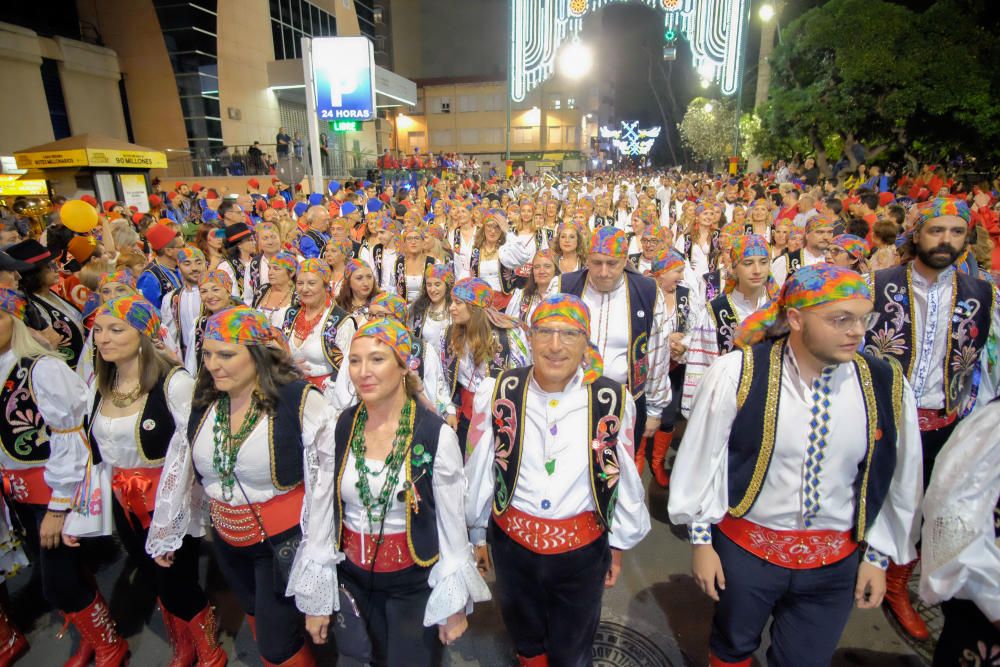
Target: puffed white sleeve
[516,252]
[895,531]
[514,305]
[961,557]
[61,396]
[630,523]
[703,350]
[435,388]
[520,351]
[313,578]
[479,466]
[658,381]
[167,320]
[454,580]
[698,484]
[180,391]
[341,396]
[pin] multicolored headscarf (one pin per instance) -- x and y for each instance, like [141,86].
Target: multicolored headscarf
[546,253]
[666,260]
[810,286]
[496,216]
[392,303]
[189,253]
[135,311]
[244,326]
[732,230]
[286,261]
[352,266]
[392,333]
[609,241]
[941,206]
[220,278]
[750,245]
[13,303]
[819,222]
[854,245]
[123,276]
[473,291]
[442,272]
[343,245]
[317,266]
[573,312]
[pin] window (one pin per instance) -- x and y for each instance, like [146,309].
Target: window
[439,105]
[570,103]
[441,139]
[445,105]
[491,135]
[522,135]
[468,136]
[571,135]
[555,134]
[416,141]
[493,102]
[291,20]
[467,103]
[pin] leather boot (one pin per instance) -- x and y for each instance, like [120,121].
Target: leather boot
[304,658]
[13,645]
[897,599]
[661,445]
[203,630]
[535,661]
[97,629]
[714,661]
[84,654]
[640,456]
[180,640]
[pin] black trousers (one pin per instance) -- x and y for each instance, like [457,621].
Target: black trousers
[393,604]
[65,585]
[932,442]
[177,585]
[251,575]
[966,629]
[810,608]
[670,413]
[550,604]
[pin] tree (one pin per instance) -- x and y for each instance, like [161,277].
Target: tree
[707,129]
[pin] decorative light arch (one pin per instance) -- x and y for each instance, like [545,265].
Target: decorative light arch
[714,28]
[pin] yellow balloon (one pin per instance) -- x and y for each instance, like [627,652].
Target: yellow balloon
[79,216]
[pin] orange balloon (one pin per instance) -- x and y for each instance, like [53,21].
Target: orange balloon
[78,215]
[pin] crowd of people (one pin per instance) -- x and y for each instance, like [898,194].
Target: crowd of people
[369,397]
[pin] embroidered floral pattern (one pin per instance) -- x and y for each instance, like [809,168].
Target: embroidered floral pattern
[504,428]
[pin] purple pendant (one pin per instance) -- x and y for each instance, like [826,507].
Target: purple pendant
[553,429]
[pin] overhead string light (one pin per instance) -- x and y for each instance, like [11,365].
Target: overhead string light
[630,140]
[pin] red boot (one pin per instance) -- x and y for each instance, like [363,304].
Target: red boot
[304,658]
[719,662]
[661,445]
[180,640]
[84,655]
[203,629]
[13,645]
[897,599]
[252,622]
[538,660]
[640,456]
[98,630]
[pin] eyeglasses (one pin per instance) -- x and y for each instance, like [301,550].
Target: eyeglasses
[845,323]
[566,336]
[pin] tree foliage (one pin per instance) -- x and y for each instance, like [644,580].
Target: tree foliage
[707,129]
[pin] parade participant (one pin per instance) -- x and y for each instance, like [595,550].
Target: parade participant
[210,240]
[336,254]
[384,256]
[311,327]
[252,417]
[651,243]
[818,233]
[316,234]
[779,236]
[161,274]
[463,236]
[759,221]
[110,286]
[258,270]
[408,563]
[496,258]
[479,343]
[241,245]
[181,307]
[44,457]
[572,244]
[526,299]
[935,321]
[411,265]
[636,354]
[355,297]
[850,251]
[777,501]
[700,243]
[430,315]
[56,314]
[216,292]
[552,486]
[276,296]
[960,552]
[138,384]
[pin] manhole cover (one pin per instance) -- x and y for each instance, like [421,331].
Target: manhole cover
[616,645]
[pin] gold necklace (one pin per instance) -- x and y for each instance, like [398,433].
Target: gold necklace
[436,315]
[123,399]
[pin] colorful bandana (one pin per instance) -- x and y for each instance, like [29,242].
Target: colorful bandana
[495,215]
[286,261]
[442,272]
[732,229]
[352,266]
[812,285]
[123,276]
[761,202]
[609,241]
[436,231]
[547,253]
[392,303]
[748,245]
[243,326]
[392,333]
[220,278]
[854,245]
[189,252]
[665,260]
[941,206]
[134,311]
[473,291]
[818,222]
[13,303]
[411,229]
[343,245]
[315,266]
[572,311]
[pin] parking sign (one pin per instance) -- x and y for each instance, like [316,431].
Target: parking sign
[344,72]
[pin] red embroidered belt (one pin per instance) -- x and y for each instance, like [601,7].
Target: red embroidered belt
[240,526]
[932,420]
[318,380]
[549,536]
[466,396]
[27,486]
[135,491]
[393,554]
[794,549]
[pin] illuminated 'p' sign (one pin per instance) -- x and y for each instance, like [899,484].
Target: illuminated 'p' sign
[344,71]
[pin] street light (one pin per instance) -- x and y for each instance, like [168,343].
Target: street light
[576,60]
[766,12]
[705,83]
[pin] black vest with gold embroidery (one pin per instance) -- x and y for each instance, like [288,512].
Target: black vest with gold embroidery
[508,276]
[336,315]
[497,363]
[606,403]
[71,336]
[23,434]
[725,320]
[794,262]
[755,428]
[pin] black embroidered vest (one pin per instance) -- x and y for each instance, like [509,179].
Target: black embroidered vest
[23,434]
[794,261]
[399,273]
[725,320]
[682,308]
[421,526]
[754,429]
[71,336]
[499,362]
[166,278]
[334,355]
[606,403]
[508,277]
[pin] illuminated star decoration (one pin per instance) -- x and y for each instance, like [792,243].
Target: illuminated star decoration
[714,28]
[630,140]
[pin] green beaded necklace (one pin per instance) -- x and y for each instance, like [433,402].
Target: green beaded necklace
[376,507]
[226,445]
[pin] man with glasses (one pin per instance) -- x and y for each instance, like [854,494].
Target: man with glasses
[231,213]
[935,320]
[552,487]
[776,499]
[161,275]
[651,242]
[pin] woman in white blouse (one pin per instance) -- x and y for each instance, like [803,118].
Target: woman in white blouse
[526,299]
[277,295]
[311,327]
[389,495]
[408,274]
[215,289]
[429,317]
[141,404]
[497,256]
[252,419]
[572,245]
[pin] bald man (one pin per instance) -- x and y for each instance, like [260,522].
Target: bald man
[317,232]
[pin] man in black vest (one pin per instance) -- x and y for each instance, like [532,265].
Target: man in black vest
[552,478]
[777,500]
[819,233]
[935,320]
